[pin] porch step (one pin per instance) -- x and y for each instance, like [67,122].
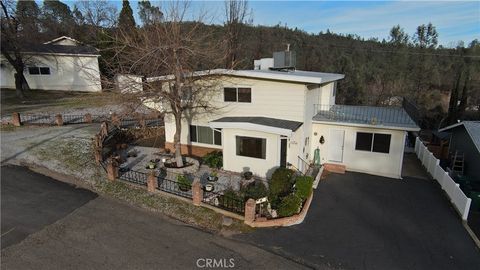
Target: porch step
[335,168]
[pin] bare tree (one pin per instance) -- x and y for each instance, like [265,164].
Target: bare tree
[100,13]
[168,55]
[236,13]
[11,45]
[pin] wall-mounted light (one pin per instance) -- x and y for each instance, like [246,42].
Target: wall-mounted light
[322,140]
[315,134]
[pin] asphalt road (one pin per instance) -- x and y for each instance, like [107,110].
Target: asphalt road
[69,228]
[32,201]
[360,221]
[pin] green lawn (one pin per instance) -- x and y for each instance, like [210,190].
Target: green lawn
[41,100]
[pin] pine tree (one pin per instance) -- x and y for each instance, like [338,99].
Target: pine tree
[149,14]
[125,19]
[27,13]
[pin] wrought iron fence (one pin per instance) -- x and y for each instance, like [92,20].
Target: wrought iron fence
[73,119]
[174,187]
[135,177]
[39,119]
[224,201]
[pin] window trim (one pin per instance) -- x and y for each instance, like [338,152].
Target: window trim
[196,135]
[259,138]
[372,143]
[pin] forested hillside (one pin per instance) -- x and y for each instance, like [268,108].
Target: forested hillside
[443,82]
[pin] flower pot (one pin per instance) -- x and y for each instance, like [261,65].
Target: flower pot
[209,187]
[212,178]
[248,175]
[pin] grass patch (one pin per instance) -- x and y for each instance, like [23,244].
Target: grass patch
[42,100]
[172,207]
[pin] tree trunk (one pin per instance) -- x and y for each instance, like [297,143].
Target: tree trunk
[19,85]
[176,140]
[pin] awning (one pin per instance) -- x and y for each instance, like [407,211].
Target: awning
[263,124]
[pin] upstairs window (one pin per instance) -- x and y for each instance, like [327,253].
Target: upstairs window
[241,94]
[373,142]
[39,70]
[207,135]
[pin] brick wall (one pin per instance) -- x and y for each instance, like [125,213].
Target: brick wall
[191,150]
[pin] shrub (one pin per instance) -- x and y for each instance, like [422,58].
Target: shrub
[303,187]
[255,190]
[183,182]
[214,159]
[289,206]
[280,185]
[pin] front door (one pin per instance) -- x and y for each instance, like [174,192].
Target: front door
[335,146]
[283,152]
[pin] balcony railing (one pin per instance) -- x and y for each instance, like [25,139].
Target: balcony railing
[385,116]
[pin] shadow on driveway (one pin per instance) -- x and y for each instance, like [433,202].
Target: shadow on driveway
[360,221]
[31,201]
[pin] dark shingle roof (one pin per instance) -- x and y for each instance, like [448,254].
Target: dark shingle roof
[59,49]
[374,116]
[264,121]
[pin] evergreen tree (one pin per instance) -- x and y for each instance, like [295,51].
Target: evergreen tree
[27,14]
[149,14]
[57,19]
[125,19]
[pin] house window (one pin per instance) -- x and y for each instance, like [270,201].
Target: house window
[241,94]
[373,142]
[251,147]
[39,70]
[207,135]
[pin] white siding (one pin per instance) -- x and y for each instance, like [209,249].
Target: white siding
[67,73]
[389,165]
[260,167]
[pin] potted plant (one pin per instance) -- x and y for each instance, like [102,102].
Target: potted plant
[248,175]
[183,183]
[151,165]
[213,176]
[209,187]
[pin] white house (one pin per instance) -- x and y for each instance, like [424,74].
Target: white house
[60,64]
[278,117]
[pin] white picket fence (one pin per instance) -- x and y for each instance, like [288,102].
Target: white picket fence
[432,165]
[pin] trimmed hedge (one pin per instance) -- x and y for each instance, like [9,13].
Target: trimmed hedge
[289,206]
[214,159]
[255,190]
[280,185]
[303,187]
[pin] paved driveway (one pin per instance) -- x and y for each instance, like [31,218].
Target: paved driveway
[359,221]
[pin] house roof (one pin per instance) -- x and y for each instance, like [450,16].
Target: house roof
[59,49]
[473,130]
[299,76]
[265,124]
[62,38]
[378,117]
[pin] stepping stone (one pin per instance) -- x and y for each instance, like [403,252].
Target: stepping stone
[227,221]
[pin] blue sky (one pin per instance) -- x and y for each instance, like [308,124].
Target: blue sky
[455,20]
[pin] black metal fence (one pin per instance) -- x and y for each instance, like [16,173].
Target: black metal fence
[225,201]
[68,119]
[173,187]
[135,177]
[39,119]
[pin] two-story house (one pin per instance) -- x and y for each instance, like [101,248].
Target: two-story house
[270,117]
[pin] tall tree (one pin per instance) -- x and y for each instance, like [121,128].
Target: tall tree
[28,13]
[149,14]
[100,13]
[398,36]
[11,45]
[176,49]
[426,36]
[125,19]
[57,19]
[235,16]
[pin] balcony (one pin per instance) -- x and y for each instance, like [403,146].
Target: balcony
[365,115]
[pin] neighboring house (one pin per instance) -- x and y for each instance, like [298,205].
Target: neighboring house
[275,117]
[465,139]
[60,64]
